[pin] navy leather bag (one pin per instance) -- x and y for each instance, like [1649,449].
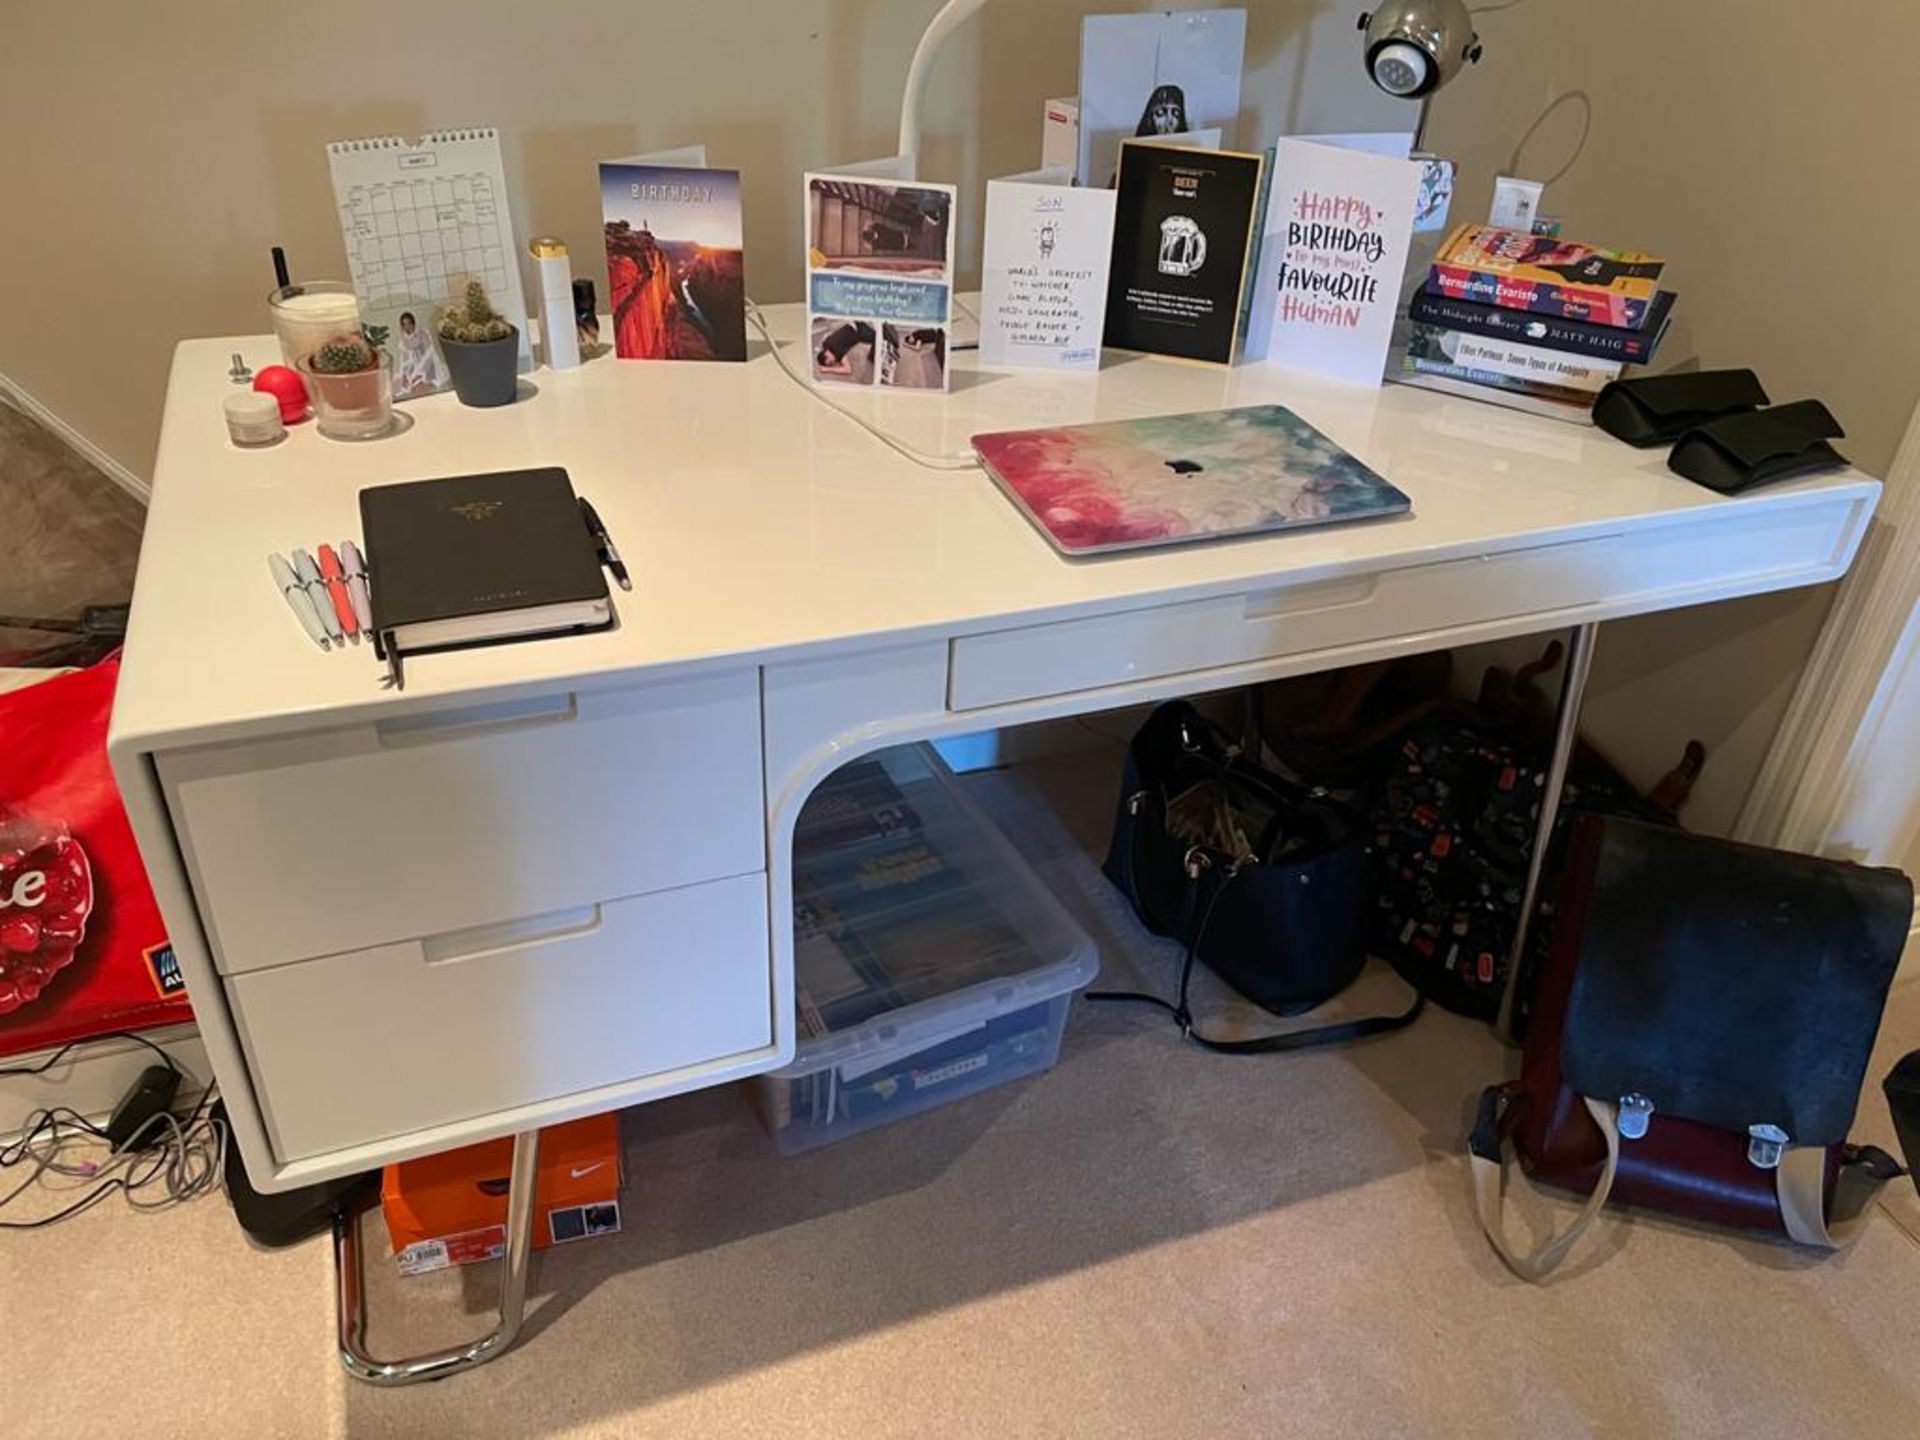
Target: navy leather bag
[1264,880]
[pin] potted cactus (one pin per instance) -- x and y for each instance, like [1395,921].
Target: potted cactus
[482,349]
[352,388]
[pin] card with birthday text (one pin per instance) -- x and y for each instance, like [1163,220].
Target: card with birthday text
[1338,221]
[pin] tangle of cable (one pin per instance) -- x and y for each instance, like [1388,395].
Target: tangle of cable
[922,458]
[167,1161]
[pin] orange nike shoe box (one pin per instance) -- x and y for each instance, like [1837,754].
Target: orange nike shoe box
[451,1208]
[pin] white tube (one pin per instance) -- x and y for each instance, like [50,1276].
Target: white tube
[555,273]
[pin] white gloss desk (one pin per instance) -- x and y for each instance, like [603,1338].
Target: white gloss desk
[552,879]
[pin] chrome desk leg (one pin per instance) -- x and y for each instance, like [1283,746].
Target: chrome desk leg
[1566,732]
[350,1296]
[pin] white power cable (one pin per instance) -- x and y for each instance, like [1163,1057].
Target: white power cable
[927,459]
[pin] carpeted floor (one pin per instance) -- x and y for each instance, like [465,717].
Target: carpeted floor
[69,537]
[1147,1241]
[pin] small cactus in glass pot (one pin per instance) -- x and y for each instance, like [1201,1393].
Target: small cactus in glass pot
[482,348]
[343,355]
[351,387]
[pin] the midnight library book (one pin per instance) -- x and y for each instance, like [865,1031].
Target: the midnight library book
[1182,233]
[1579,337]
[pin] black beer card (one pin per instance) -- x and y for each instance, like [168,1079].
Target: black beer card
[1182,234]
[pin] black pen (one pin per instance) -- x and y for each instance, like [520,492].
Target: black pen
[609,556]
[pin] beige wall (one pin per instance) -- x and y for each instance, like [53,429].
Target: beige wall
[1757,144]
[154,152]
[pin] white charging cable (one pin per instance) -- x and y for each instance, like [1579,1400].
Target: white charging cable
[928,459]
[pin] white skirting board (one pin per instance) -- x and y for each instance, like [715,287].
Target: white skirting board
[93,1077]
[11,393]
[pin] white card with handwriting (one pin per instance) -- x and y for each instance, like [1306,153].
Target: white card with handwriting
[1043,280]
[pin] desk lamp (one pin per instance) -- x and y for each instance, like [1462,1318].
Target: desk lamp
[1412,48]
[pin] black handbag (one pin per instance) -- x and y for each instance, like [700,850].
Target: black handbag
[1262,879]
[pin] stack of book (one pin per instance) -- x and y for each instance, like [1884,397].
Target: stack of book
[1532,321]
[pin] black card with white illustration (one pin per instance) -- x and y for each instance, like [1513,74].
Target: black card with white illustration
[1182,232]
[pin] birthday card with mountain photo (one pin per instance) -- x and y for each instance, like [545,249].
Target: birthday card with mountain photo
[675,279]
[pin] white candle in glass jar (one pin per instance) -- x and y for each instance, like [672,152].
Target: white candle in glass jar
[312,315]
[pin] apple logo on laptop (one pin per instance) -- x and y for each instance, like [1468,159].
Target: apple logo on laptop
[1184,467]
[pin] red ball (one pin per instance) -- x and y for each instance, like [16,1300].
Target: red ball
[285,385]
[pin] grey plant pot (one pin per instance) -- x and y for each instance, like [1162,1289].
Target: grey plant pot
[484,374]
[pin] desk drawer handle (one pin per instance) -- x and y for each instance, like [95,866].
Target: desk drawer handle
[509,935]
[464,721]
[1304,599]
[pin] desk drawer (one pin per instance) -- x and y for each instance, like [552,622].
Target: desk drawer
[1203,634]
[401,1037]
[347,838]
[1761,547]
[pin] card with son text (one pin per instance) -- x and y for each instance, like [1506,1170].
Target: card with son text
[1043,281]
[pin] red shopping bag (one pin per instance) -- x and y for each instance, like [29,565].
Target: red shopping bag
[82,946]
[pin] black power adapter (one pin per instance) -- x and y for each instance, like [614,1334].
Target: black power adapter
[131,1125]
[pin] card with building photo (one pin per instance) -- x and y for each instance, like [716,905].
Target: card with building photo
[1182,234]
[675,269]
[1158,73]
[879,281]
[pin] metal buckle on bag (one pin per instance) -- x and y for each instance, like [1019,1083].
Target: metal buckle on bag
[1195,862]
[1193,746]
[1636,1111]
[1136,802]
[1765,1145]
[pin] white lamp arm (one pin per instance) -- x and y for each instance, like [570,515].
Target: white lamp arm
[945,21]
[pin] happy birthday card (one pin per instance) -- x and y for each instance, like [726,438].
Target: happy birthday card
[1337,226]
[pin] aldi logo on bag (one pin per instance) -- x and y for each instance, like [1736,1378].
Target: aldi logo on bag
[165,968]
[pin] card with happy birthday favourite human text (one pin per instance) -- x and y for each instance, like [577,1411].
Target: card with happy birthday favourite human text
[1338,222]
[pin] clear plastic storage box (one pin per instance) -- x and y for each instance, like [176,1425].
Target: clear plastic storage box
[929,962]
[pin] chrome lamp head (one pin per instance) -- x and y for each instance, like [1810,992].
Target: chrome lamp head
[1413,47]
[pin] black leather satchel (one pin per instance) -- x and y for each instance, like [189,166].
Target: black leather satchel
[1742,451]
[1700,1036]
[1733,986]
[1263,880]
[1659,409]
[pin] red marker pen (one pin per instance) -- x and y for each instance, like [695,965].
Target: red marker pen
[336,578]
